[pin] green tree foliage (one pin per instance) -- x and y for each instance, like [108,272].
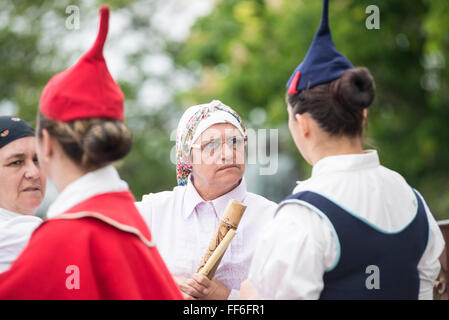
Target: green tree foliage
[33,35]
[243,54]
[246,50]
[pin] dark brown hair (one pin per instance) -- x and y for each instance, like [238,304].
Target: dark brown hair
[91,143]
[338,106]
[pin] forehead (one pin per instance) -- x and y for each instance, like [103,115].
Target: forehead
[220,129]
[23,145]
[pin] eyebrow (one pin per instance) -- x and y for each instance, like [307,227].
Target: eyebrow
[219,138]
[209,141]
[16,155]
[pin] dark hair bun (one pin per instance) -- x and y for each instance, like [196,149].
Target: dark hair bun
[105,142]
[354,89]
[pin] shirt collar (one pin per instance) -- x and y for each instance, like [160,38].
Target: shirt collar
[96,182]
[346,162]
[192,198]
[6,215]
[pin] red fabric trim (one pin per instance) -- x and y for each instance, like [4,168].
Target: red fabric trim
[294,83]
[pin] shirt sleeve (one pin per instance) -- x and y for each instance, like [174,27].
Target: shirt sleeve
[292,255]
[429,266]
[145,208]
[233,295]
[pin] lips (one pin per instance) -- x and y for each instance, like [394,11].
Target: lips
[228,167]
[34,188]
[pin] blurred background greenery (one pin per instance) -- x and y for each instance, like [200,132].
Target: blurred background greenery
[170,54]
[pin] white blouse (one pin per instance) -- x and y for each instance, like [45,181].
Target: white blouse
[15,231]
[182,225]
[298,246]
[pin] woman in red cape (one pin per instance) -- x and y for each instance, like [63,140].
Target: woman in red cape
[94,244]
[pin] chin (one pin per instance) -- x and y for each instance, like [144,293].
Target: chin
[231,177]
[32,205]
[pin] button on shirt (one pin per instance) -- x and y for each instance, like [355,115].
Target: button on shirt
[182,225]
[298,246]
[15,231]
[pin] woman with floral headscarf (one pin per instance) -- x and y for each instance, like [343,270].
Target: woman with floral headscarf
[210,145]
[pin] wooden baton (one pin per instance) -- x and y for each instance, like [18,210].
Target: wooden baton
[230,220]
[218,253]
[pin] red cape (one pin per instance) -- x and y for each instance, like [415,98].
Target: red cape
[92,253]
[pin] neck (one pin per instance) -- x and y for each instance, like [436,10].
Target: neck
[335,146]
[67,173]
[24,211]
[210,192]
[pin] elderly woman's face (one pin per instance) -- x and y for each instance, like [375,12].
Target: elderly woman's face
[23,186]
[218,156]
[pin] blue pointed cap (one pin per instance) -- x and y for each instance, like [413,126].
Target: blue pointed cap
[323,63]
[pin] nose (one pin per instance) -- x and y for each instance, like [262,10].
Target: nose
[227,153]
[32,171]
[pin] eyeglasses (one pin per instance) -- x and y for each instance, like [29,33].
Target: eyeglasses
[215,145]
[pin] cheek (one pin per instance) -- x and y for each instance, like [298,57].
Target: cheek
[11,191]
[43,181]
[5,195]
[205,171]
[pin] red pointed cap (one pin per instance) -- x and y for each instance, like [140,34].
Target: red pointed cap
[87,89]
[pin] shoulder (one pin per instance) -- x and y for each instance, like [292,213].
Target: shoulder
[153,201]
[259,210]
[305,220]
[259,202]
[393,175]
[301,223]
[84,242]
[163,196]
[298,227]
[72,234]
[66,237]
[57,231]
[299,216]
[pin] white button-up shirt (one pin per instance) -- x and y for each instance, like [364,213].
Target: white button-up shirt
[15,231]
[182,225]
[298,246]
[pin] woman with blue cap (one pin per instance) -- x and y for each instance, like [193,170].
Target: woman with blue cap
[354,229]
[23,188]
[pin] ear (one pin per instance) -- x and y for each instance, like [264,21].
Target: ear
[190,159]
[47,144]
[304,124]
[365,115]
